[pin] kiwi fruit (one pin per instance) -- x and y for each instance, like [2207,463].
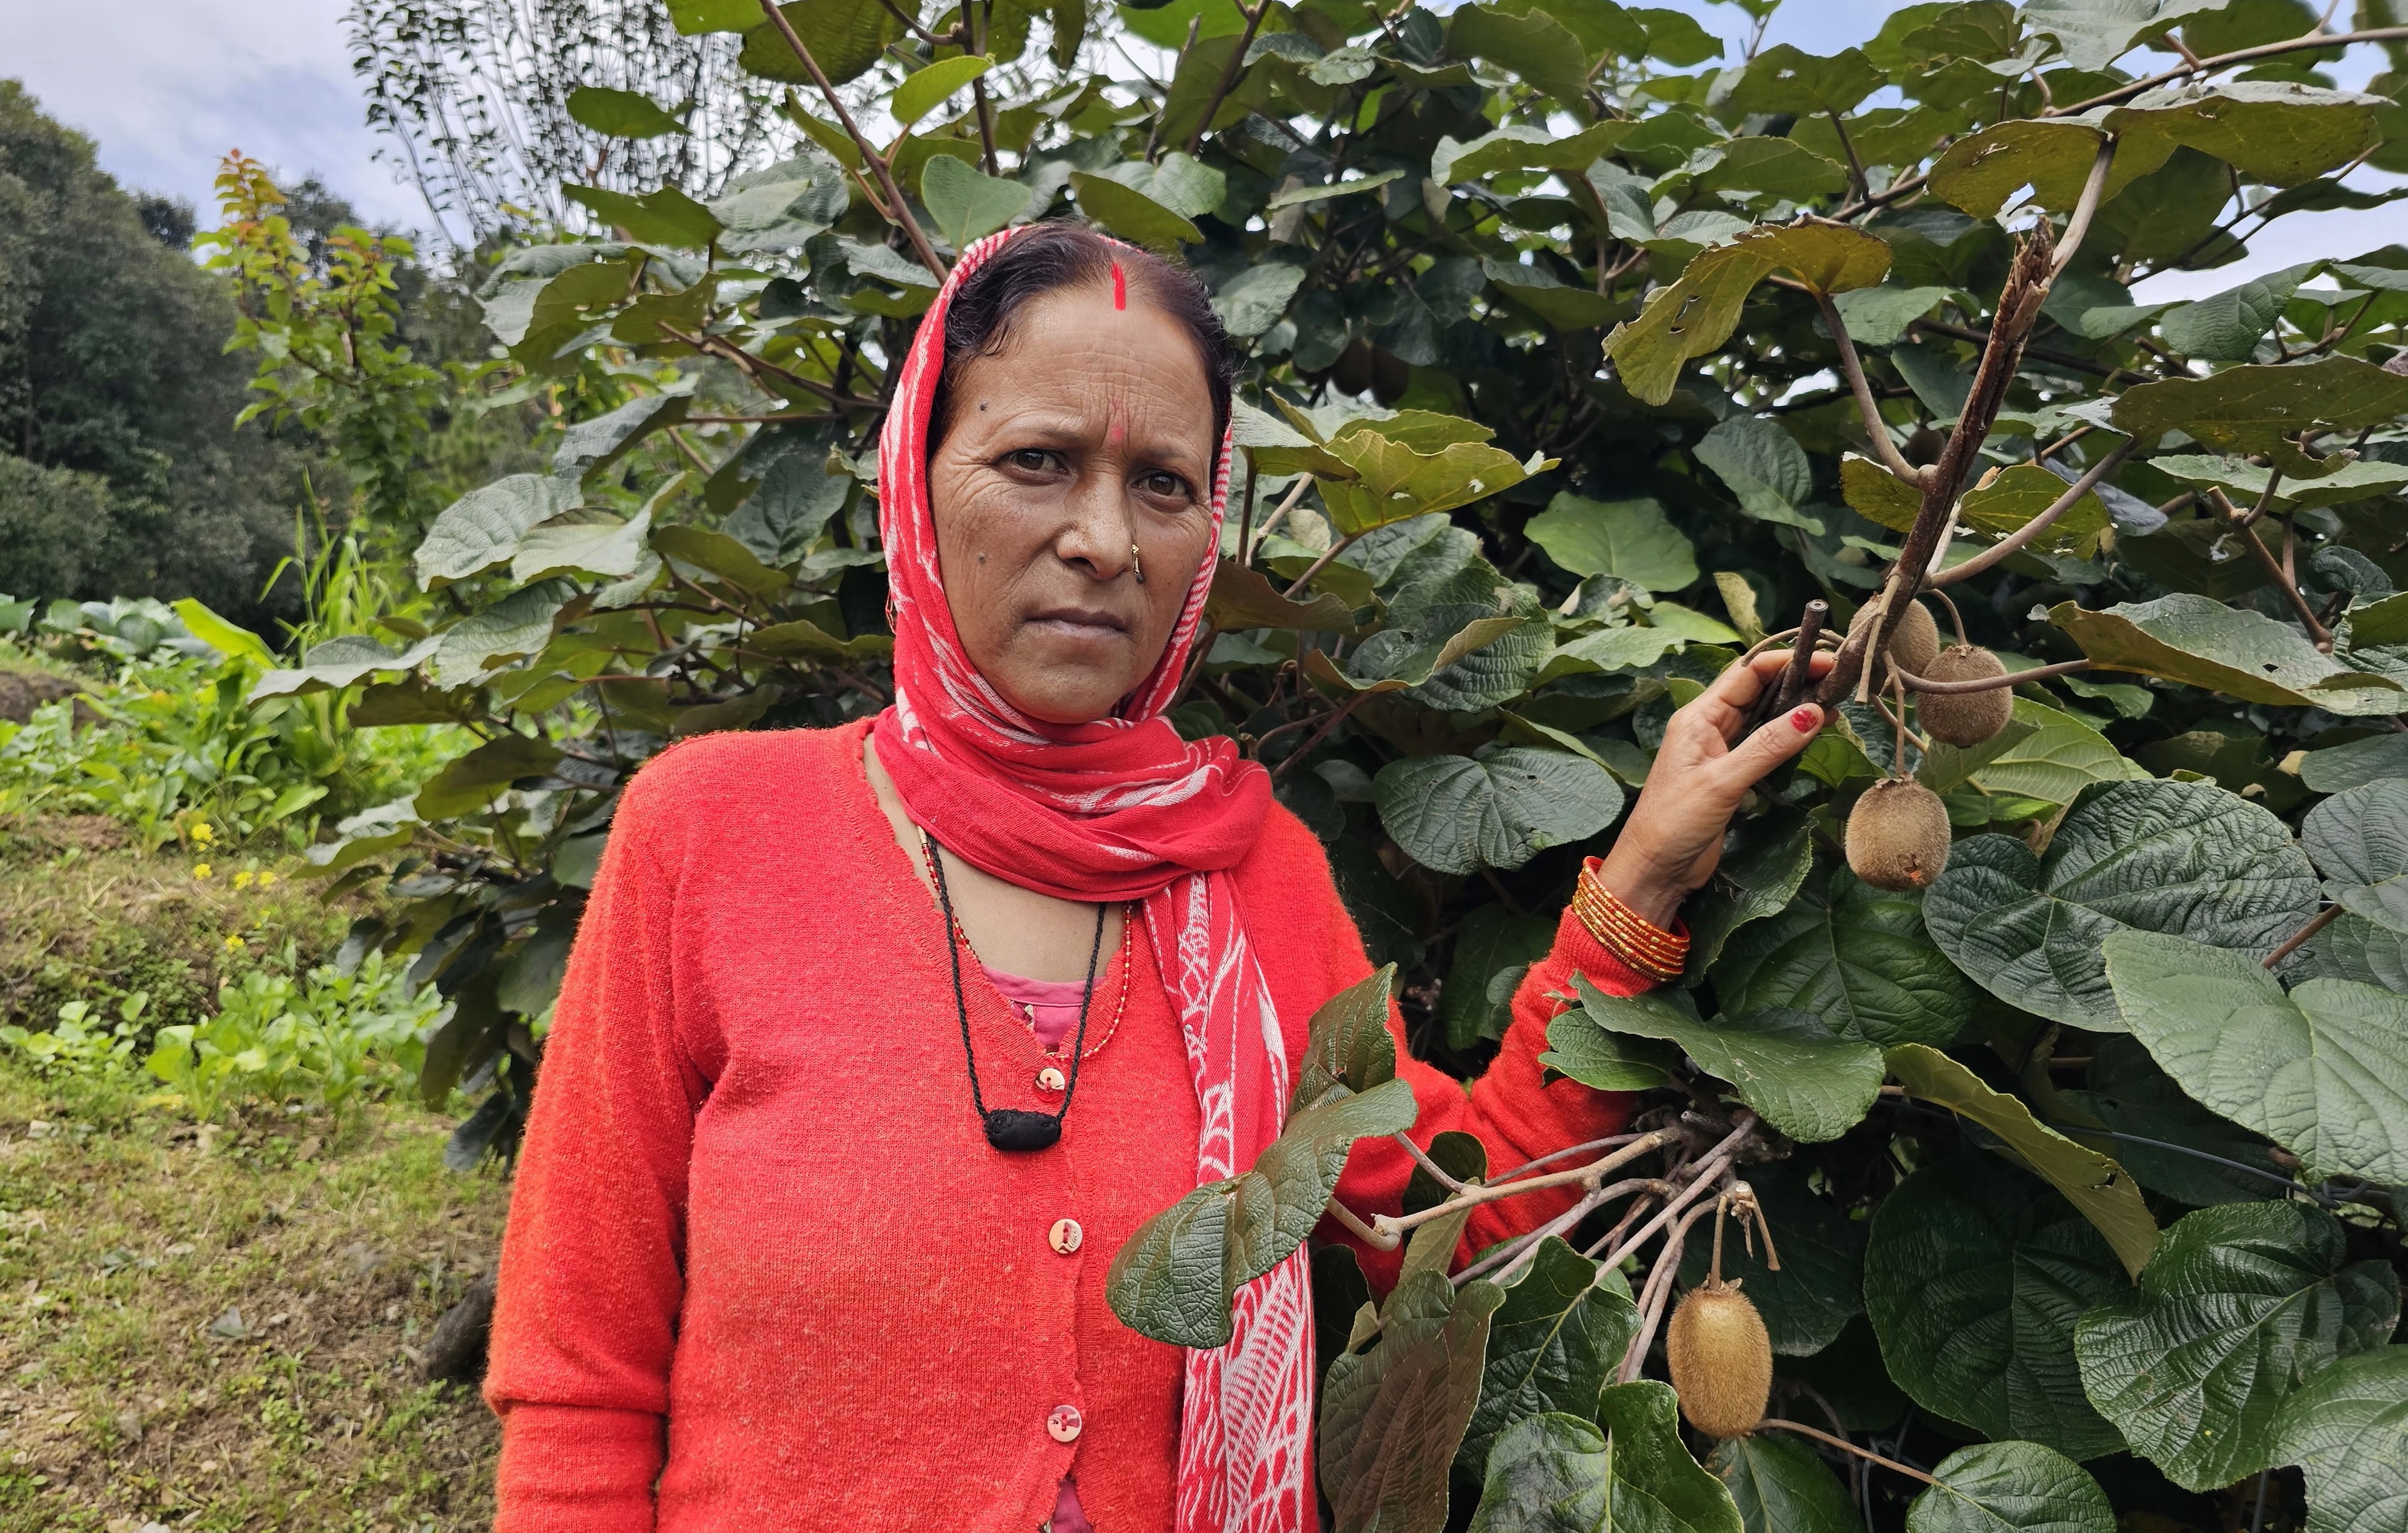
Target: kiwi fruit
[1721,1359]
[1898,835]
[1964,718]
[1391,376]
[1913,646]
[1351,372]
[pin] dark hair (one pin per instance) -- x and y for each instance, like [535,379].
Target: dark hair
[1049,258]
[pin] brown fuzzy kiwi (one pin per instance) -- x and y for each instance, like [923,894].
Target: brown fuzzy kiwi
[1898,835]
[1964,718]
[1913,646]
[1721,1360]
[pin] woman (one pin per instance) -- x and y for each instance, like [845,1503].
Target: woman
[879,1042]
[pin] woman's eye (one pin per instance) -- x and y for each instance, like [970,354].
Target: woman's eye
[1170,486]
[1030,460]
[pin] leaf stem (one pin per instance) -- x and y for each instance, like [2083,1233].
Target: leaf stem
[1421,1157]
[1877,430]
[2242,55]
[1992,684]
[1228,74]
[1841,1443]
[2292,943]
[2023,536]
[1395,1225]
[2317,633]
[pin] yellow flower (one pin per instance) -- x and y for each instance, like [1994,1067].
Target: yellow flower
[234,942]
[242,879]
[201,870]
[203,834]
[268,881]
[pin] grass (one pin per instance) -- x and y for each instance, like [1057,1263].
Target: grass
[216,1327]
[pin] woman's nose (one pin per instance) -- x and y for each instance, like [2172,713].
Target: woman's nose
[1099,536]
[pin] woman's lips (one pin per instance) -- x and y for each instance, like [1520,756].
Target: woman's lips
[1080,622]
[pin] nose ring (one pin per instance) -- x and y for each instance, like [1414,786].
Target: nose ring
[1137,564]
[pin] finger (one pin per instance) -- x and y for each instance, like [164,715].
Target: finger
[1771,745]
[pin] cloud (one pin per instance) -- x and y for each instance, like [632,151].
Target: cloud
[165,87]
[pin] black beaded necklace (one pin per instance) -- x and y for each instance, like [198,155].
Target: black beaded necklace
[1011,1128]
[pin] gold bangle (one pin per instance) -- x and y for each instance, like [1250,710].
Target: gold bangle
[1639,942]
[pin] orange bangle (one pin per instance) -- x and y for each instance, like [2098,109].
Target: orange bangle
[1645,947]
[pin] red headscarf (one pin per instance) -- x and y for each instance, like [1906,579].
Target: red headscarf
[1121,808]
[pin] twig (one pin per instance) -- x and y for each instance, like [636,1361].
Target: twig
[1321,564]
[896,209]
[2079,225]
[1279,514]
[1606,1143]
[1337,716]
[1228,74]
[1701,1174]
[1421,1158]
[2321,636]
[2292,943]
[2240,56]
[1877,430]
[1363,1232]
[1591,1174]
[1992,684]
[1841,1443]
[1514,1250]
[1659,1290]
[2023,536]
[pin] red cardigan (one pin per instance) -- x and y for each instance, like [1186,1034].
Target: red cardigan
[762,1269]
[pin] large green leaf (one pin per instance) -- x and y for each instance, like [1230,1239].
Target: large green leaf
[1697,314]
[1854,955]
[2045,754]
[1459,814]
[481,529]
[1492,952]
[1392,1417]
[1765,860]
[1174,1278]
[339,662]
[1560,1474]
[1780,1486]
[620,114]
[1413,465]
[2322,1070]
[1130,213]
[2011,1487]
[2094,34]
[845,38]
[520,623]
[2125,1091]
[2241,1305]
[967,204]
[665,217]
[1516,147]
[2094,1183]
[2181,858]
[1552,1346]
[924,90]
[1801,1077]
[1628,539]
[1980,171]
[1783,79]
[1532,44]
[2338,768]
[2359,840]
[2255,408]
[2347,1430]
[471,781]
[2277,131]
[2245,654]
[1764,466]
[2245,482]
[1347,1043]
[1808,1302]
[1243,598]
[1974,1276]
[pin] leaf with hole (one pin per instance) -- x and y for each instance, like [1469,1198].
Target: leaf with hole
[1695,315]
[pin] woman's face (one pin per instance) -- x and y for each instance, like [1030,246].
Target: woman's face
[1089,434]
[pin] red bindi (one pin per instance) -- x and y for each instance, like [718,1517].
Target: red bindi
[1120,287]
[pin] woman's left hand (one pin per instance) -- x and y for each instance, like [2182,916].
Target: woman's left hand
[1673,838]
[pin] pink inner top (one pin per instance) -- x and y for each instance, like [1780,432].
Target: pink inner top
[1050,1009]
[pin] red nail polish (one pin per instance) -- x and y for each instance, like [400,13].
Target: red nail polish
[1806,719]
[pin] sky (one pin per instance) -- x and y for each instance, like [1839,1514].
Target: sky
[165,87]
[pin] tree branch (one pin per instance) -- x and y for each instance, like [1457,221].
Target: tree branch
[1877,430]
[1397,1226]
[2023,536]
[2320,634]
[2079,225]
[896,209]
[2242,55]
[1228,75]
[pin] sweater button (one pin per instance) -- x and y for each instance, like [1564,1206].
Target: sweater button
[1065,1236]
[1065,1422]
[1049,1080]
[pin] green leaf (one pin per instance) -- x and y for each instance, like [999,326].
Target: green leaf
[2245,482]
[592,445]
[481,529]
[2321,1071]
[1974,1276]
[1854,955]
[1781,168]
[1392,1417]
[1875,493]
[1252,301]
[1980,171]
[2094,34]
[2347,1430]
[1516,147]
[1299,195]
[2245,654]
[693,17]
[1457,814]
[1764,862]
[2242,1304]
[1493,942]
[1820,1286]
[1400,476]
[1552,1347]
[1878,316]
[1533,45]
[339,662]
[471,781]
[2129,1093]
[2254,409]
[1628,539]
[622,114]
[1780,1486]
[1764,466]
[613,550]
[2011,1487]
[2181,858]
[2277,130]
[1348,1042]
[1783,79]
[1697,314]
[1547,295]
[1788,1066]
[1244,598]
[520,625]
[845,38]
[2338,768]
[2051,756]
[1560,1474]
[230,639]
[665,217]
[2227,327]
[2359,839]
[2005,502]
[720,556]
[924,90]
[2105,1193]
[1174,1278]
[967,204]
[1603,1060]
